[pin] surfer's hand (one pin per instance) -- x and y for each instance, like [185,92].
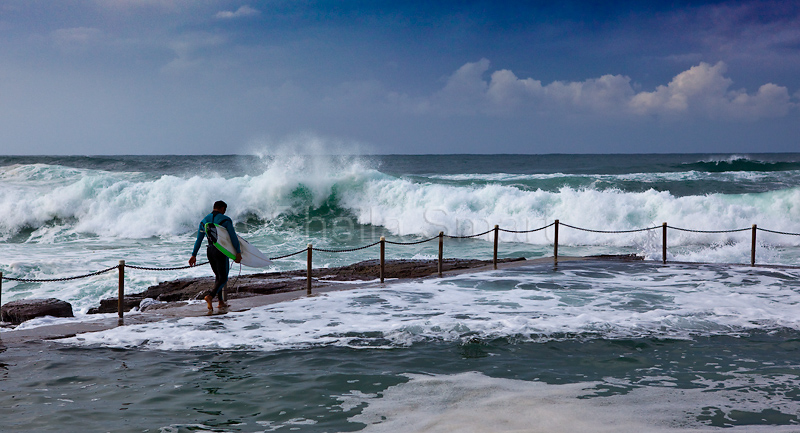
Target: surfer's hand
[238,258]
[192,260]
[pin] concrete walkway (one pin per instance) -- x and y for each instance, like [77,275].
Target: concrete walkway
[198,309]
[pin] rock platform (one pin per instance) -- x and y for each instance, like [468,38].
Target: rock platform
[187,289]
[263,289]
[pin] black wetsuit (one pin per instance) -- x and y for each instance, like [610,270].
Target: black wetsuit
[217,259]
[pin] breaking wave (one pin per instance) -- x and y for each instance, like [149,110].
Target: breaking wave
[741,163]
[52,202]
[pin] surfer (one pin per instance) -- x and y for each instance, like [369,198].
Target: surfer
[216,258]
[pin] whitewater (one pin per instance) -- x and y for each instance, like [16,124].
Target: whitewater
[704,343]
[71,216]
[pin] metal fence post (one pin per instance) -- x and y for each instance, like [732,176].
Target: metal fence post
[383,256]
[555,244]
[121,295]
[308,271]
[496,235]
[441,251]
[664,243]
[753,247]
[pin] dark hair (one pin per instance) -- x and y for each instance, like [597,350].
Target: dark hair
[220,205]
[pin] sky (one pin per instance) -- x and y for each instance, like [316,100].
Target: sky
[106,77]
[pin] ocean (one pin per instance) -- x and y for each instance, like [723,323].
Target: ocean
[703,343]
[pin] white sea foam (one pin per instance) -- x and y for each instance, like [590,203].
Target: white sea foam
[405,208]
[66,221]
[691,175]
[46,321]
[533,304]
[125,205]
[473,402]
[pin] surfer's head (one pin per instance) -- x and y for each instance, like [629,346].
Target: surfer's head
[220,206]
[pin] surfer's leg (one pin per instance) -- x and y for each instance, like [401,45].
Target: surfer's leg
[219,264]
[209,295]
[221,290]
[219,283]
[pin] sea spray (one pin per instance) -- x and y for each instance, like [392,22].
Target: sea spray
[75,215]
[635,345]
[126,205]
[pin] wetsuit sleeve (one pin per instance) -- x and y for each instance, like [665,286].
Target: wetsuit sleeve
[228,224]
[201,233]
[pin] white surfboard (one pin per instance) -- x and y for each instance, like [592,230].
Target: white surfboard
[251,256]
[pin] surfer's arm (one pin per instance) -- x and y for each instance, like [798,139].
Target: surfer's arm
[201,233]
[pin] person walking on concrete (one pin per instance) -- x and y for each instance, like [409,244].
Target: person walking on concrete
[216,258]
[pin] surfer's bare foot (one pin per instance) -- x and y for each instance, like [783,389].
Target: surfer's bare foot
[208,301]
[222,305]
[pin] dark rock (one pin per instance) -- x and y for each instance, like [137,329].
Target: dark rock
[17,312]
[109,305]
[276,282]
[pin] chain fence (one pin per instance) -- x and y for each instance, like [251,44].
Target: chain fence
[289,255]
[442,235]
[143,268]
[710,231]
[51,280]
[777,232]
[527,231]
[470,236]
[413,243]
[348,250]
[610,231]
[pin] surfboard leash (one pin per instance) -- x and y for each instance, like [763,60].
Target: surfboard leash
[236,281]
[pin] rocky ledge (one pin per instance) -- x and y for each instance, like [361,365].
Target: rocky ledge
[275,282]
[16,312]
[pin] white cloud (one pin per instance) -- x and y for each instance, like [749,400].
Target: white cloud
[465,90]
[704,90]
[606,92]
[701,84]
[244,11]
[701,90]
[769,101]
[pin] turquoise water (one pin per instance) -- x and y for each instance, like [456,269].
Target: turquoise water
[590,346]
